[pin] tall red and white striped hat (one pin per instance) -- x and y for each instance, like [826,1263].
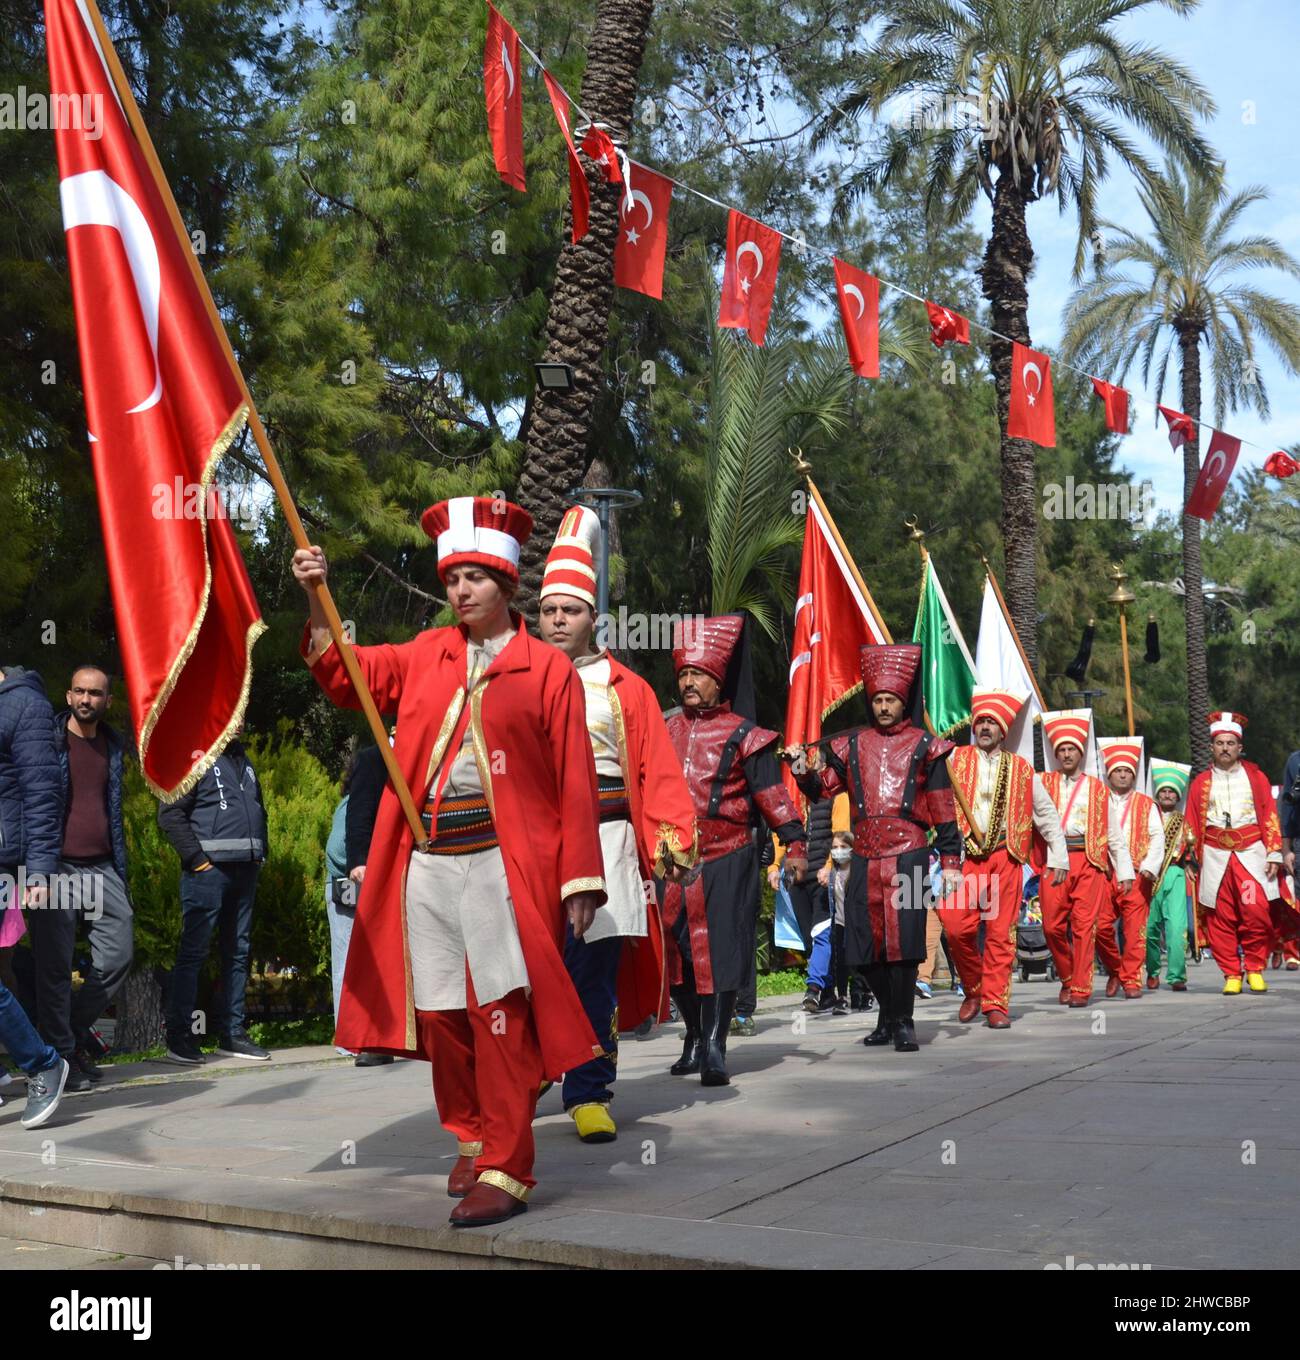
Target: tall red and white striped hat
[1070,724]
[1002,705]
[1121,752]
[1228,722]
[571,563]
[483,530]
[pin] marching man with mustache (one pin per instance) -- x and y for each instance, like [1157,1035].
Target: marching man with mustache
[1170,897]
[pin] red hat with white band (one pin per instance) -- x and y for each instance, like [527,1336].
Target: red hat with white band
[1002,705]
[482,531]
[1122,753]
[571,563]
[1228,722]
[1072,725]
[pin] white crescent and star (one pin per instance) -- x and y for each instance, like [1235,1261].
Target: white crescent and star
[852,290]
[1024,378]
[1222,459]
[637,196]
[750,247]
[93,199]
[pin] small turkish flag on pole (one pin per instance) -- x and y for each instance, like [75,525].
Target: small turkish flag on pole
[1220,459]
[1281,464]
[859,296]
[643,232]
[579,190]
[505,99]
[1181,428]
[749,276]
[1032,413]
[947,325]
[1115,399]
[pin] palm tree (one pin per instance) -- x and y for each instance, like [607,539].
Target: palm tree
[577,320]
[1022,99]
[1189,294]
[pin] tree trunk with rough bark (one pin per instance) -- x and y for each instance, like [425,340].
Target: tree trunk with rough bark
[577,323]
[139,1013]
[1005,274]
[1198,681]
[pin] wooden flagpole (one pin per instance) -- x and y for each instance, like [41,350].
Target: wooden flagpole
[283,494]
[1006,616]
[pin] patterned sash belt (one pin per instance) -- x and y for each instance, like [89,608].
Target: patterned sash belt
[614,806]
[1076,842]
[1233,837]
[464,826]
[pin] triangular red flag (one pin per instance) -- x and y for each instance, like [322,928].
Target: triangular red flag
[1032,412]
[1115,399]
[503,88]
[599,145]
[947,325]
[1281,464]
[749,276]
[579,190]
[1181,428]
[163,403]
[859,298]
[1220,459]
[643,232]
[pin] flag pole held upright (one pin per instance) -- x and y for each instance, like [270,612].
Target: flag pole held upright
[276,476]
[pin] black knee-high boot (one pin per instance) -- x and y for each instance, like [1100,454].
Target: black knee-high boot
[878,979]
[688,1007]
[902,993]
[715,1019]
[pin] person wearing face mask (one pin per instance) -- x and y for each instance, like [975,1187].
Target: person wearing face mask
[1006,803]
[456,953]
[828,974]
[897,781]
[1098,852]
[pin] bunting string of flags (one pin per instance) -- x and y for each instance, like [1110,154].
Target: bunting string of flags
[753,257]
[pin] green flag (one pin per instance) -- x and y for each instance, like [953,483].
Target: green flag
[947,672]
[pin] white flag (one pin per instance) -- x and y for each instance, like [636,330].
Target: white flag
[999,663]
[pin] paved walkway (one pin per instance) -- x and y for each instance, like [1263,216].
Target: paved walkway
[1161,1132]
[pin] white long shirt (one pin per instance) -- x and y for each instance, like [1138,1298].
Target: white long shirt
[1077,825]
[1155,855]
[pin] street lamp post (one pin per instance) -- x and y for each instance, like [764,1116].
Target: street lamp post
[605,500]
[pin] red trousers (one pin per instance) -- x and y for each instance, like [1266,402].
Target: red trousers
[1130,908]
[1240,916]
[487,1068]
[1070,920]
[990,891]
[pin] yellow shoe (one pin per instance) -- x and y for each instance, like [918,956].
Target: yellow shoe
[593,1122]
[1232,986]
[1256,983]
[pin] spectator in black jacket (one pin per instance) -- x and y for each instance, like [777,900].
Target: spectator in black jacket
[219,831]
[92,868]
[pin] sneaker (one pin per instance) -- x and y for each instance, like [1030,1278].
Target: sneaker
[811,1003]
[237,1044]
[77,1081]
[744,1026]
[183,1051]
[840,1006]
[44,1091]
[83,1064]
[959,989]
[362,1059]
[923,989]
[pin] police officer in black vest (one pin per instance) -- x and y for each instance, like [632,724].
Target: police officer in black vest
[219,831]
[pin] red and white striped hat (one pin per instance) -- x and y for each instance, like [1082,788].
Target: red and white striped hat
[1002,705]
[571,563]
[1121,752]
[1070,724]
[482,530]
[1228,722]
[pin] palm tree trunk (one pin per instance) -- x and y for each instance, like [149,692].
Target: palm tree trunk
[1198,683]
[577,323]
[1005,272]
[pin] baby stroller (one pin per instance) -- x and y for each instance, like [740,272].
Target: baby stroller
[1032,953]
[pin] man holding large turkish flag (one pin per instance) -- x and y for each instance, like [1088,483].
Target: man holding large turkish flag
[749,276]
[1032,413]
[643,232]
[162,405]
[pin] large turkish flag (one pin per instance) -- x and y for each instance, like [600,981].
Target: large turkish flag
[749,276]
[1220,459]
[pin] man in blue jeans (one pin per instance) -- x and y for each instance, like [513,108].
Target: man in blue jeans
[31,831]
[219,831]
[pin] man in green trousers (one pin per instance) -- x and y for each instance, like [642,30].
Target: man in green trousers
[1170,898]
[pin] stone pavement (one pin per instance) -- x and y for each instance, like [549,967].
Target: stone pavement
[1161,1132]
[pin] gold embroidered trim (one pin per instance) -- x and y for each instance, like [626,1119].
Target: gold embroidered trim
[480,743]
[577,885]
[407,977]
[449,720]
[255,630]
[313,656]
[469,1149]
[670,840]
[503,1182]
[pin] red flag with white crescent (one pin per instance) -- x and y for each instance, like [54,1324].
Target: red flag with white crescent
[749,276]
[946,325]
[503,90]
[1032,412]
[1281,465]
[579,190]
[1181,428]
[833,619]
[643,232]
[162,406]
[1115,400]
[859,297]
[1220,459]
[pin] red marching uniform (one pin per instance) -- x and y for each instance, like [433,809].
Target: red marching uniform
[525,717]
[1143,828]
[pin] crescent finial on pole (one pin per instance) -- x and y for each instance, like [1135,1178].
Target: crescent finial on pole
[801,465]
